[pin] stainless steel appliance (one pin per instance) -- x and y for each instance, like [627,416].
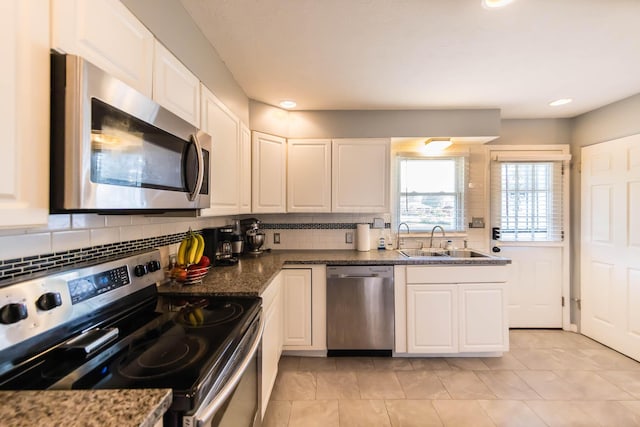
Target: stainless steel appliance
[104,327]
[360,310]
[253,236]
[218,245]
[114,149]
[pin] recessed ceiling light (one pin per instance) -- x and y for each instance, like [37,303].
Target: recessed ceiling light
[288,103]
[493,4]
[561,101]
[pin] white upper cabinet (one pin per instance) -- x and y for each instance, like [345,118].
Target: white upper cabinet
[107,34]
[360,175]
[224,179]
[309,175]
[269,158]
[174,86]
[24,113]
[245,169]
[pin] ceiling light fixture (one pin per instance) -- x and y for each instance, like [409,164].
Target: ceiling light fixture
[493,4]
[437,144]
[561,101]
[288,103]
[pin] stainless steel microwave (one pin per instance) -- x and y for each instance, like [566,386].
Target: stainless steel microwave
[114,150]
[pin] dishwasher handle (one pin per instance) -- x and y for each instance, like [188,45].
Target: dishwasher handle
[354,276]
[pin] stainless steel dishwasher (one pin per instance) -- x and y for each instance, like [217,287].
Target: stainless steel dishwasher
[360,310]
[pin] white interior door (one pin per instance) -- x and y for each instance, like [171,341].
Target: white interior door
[530,206]
[610,244]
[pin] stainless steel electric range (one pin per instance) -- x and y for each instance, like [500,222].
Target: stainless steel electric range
[105,327]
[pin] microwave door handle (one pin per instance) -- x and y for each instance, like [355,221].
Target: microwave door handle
[201,419]
[196,191]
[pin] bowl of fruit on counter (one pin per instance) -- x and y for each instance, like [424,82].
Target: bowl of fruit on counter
[191,264]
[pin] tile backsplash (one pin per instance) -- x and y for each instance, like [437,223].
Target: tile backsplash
[71,238]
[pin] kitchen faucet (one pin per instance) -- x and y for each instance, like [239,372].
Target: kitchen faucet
[432,230]
[400,225]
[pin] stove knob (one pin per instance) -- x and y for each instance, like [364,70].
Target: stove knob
[153,266]
[140,270]
[12,313]
[49,301]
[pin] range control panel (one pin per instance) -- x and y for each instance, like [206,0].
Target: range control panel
[96,284]
[35,306]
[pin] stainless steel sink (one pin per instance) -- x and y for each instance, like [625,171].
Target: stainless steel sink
[435,252]
[466,253]
[416,253]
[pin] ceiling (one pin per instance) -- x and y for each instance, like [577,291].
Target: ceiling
[428,54]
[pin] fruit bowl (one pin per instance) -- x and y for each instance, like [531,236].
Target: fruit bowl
[194,275]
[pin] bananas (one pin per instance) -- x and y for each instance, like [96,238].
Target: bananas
[191,249]
[194,317]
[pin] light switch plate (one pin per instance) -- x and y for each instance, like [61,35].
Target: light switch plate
[276,238]
[378,223]
[348,237]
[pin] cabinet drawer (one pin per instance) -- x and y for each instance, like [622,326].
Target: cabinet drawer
[456,274]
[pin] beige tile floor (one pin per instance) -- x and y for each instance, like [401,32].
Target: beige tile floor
[549,378]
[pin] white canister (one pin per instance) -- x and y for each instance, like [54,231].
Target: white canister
[362,238]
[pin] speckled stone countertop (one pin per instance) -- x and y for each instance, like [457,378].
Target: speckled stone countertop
[252,275]
[71,408]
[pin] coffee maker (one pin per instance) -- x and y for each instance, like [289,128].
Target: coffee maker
[219,245]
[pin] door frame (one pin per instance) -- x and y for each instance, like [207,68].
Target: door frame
[540,152]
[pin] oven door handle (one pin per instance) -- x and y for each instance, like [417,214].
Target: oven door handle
[196,191]
[211,409]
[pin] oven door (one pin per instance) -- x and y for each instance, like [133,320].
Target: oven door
[115,149]
[237,403]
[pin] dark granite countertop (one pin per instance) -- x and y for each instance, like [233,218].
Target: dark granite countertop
[71,408]
[252,274]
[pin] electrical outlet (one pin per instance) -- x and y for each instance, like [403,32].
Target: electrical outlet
[276,238]
[348,237]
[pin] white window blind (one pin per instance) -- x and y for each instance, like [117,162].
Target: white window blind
[527,200]
[431,192]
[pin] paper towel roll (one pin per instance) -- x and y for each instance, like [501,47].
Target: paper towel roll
[362,238]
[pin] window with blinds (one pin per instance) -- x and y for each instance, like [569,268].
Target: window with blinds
[526,200]
[431,192]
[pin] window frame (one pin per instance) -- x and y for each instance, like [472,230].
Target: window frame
[461,176]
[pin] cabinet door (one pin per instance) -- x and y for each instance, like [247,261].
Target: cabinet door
[483,317]
[245,169]
[360,175]
[432,318]
[224,128]
[174,86]
[268,177]
[296,293]
[108,35]
[24,117]
[309,175]
[271,337]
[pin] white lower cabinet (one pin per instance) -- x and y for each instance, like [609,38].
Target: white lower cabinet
[483,317]
[296,296]
[271,337]
[453,310]
[432,313]
[304,295]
